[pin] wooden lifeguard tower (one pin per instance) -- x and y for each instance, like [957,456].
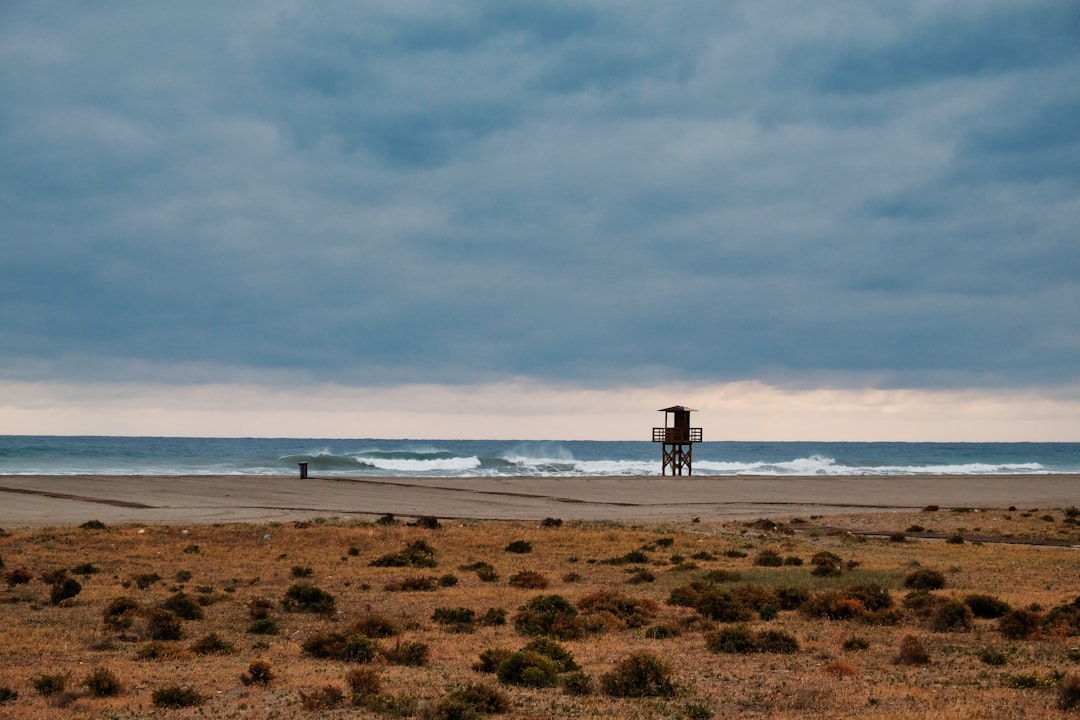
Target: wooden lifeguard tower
[678,440]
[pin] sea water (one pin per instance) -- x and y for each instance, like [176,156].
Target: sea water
[55,455]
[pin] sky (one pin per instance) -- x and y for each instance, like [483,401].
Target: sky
[840,220]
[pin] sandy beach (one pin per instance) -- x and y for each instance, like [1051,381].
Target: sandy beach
[42,500]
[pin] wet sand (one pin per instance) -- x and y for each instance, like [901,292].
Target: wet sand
[42,500]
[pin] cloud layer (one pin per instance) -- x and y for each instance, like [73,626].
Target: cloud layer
[374,194]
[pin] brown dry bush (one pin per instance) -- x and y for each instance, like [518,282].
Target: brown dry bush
[328,697]
[258,673]
[911,652]
[529,579]
[639,675]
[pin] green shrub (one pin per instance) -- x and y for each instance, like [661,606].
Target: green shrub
[550,615]
[305,597]
[577,683]
[415,583]
[82,569]
[776,641]
[737,639]
[483,570]
[411,654]
[93,525]
[519,547]
[263,626]
[640,675]
[551,649]
[951,616]
[50,684]
[792,598]
[469,702]
[551,522]
[212,644]
[925,579]
[493,617]
[528,668]
[992,656]
[455,619]
[8,695]
[61,591]
[102,682]
[416,554]
[856,643]
[174,696]
[145,580]
[374,625]
[183,607]
[986,606]
[491,659]
[335,646]
[301,571]
[768,558]
[872,596]
[162,625]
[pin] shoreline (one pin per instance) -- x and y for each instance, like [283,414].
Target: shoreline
[47,500]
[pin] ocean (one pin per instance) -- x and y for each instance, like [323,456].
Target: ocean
[55,455]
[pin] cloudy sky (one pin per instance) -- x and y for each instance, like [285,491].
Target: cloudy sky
[828,220]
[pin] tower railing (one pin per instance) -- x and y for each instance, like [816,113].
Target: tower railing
[676,435]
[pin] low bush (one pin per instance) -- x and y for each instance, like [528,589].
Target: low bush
[416,554]
[992,656]
[455,619]
[519,547]
[328,697]
[85,569]
[336,646]
[608,610]
[491,659]
[145,580]
[374,625]
[911,652]
[258,673]
[529,579]
[212,644]
[493,617]
[48,685]
[102,682]
[925,579]
[528,668]
[183,607]
[18,576]
[987,607]
[483,570]
[735,639]
[175,696]
[1068,696]
[1019,624]
[8,695]
[364,681]
[469,701]
[551,615]
[577,683]
[415,583]
[411,654]
[839,668]
[305,597]
[951,616]
[551,522]
[768,558]
[263,626]
[856,643]
[162,625]
[640,675]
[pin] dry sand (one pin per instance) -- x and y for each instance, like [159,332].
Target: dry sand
[43,500]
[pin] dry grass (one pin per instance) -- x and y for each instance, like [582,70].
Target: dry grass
[235,572]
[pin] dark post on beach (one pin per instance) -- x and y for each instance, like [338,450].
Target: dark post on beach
[303,471]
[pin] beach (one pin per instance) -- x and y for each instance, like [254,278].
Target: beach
[44,500]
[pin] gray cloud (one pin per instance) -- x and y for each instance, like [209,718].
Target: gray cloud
[373,194]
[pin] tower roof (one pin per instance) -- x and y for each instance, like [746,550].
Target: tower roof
[677,408]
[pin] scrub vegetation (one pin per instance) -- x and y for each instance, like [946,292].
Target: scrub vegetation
[765,618]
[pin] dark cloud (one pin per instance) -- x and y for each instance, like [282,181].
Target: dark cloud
[566,191]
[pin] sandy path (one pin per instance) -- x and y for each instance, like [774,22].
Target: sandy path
[60,500]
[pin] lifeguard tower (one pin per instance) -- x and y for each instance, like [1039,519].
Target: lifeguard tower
[678,440]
